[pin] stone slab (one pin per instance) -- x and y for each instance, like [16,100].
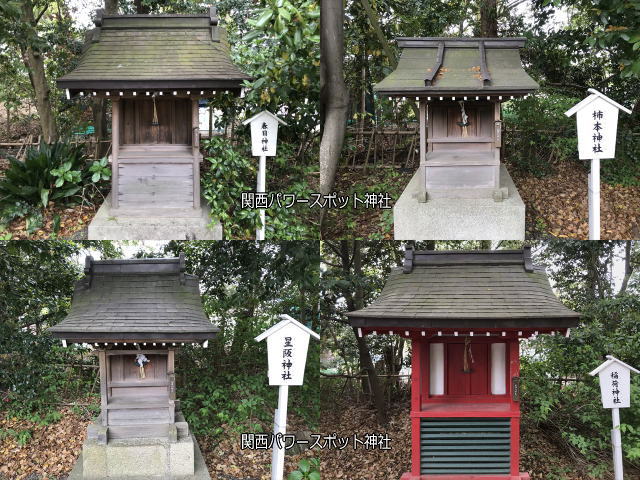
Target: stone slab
[200,469]
[160,224]
[459,218]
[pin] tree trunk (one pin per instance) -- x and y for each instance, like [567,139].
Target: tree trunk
[488,18]
[628,267]
[366,362]
[334,97]
[374,21]
[34,62]
[240,333]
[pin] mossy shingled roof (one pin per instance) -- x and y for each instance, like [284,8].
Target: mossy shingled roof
[148,299]
[467,289]
[140,51]
[460,72]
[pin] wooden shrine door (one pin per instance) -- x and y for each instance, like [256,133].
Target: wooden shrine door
[475,381]
[174,121]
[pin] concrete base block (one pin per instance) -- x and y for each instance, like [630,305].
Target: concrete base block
[150,224]
[141,459]
[459,218]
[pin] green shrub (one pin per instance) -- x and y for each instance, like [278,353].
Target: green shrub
[230,173]
[52,172]
[538,132]
[307,470]
[233,170]
[22,437]
[624,169]
[573,411]
[235,401]
[33,381]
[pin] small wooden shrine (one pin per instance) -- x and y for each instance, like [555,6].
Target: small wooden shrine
[460,84]
[135,314]
[155,68]
[465,312]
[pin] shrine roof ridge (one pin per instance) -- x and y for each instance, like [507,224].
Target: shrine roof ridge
[475,289]
[458,66]
[137,299]
[467,257]
[460,42]
[155,51]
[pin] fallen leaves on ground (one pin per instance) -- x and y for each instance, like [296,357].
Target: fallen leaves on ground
[51,451]
[540,455]
[227,461]
[558,205]
[362,464]
[365,222]
[72,221]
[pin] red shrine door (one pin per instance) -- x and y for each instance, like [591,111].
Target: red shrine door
[475,379]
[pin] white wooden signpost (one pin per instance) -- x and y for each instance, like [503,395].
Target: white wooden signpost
[287,344]
[615,389]
[264,138]
[597,121]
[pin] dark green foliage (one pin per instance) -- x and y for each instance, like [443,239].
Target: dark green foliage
[229,174]
[245,285]
[233,170]
[625,168]
[538,133]
[538,136]
[34,180]
[558,393]
[214,402]
[574,410]
[36,283]
[307,470]
[32,379]
[282,53]
[54,172]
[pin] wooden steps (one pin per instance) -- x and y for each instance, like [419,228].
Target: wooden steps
[126,402]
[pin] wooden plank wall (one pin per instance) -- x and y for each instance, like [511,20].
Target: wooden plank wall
[174,118]
[137,407]
[156,185]
[446,134]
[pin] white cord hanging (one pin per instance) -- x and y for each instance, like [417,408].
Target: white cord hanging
[154,122]
[465,119]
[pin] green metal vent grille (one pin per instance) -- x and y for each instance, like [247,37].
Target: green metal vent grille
[465,445]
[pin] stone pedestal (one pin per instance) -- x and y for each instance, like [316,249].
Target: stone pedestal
[459,218]
[154,224]
[141,459]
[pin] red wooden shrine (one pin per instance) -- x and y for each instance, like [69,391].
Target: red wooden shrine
[465,313]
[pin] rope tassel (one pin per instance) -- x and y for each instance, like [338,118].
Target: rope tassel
[154,122]
[465,120]
[468,354]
